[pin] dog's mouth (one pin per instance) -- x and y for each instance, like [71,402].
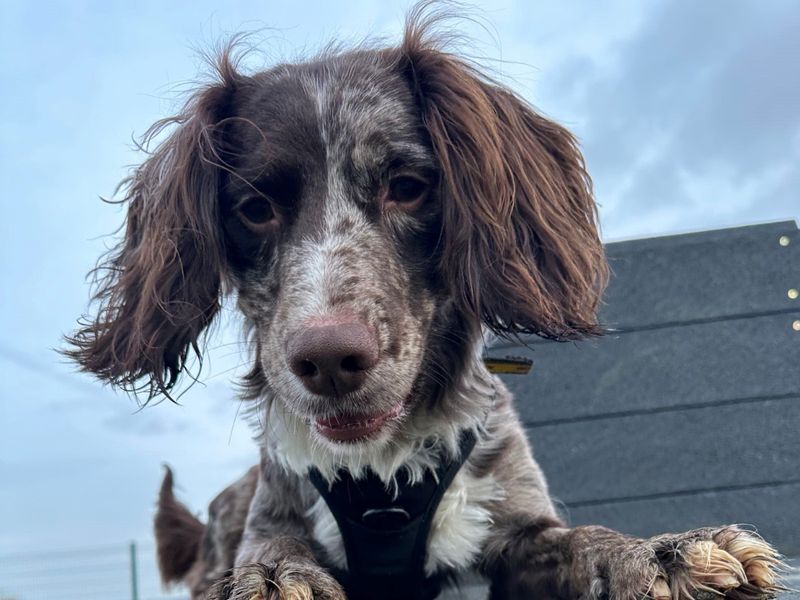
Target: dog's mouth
[353,428]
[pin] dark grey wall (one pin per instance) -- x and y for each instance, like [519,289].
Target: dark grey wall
[688,413]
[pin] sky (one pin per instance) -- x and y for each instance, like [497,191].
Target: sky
[688,114]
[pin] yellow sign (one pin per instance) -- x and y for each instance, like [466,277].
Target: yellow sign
[510,365]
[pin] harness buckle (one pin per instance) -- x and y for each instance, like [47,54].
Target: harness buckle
[386,519]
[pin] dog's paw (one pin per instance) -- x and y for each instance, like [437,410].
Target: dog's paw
[727,562]
[285,580]
[703,564]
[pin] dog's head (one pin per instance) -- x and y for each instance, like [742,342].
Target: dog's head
[372,209]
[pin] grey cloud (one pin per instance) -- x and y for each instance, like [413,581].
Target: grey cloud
[704,92]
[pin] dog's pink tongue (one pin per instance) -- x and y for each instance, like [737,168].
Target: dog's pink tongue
[349,428]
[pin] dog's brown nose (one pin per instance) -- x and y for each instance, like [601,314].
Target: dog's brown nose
[332,360]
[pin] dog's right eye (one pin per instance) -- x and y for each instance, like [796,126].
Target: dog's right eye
[257,213]
[406,192]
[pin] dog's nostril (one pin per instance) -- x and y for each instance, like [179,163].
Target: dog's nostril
[306,368]
[353,364]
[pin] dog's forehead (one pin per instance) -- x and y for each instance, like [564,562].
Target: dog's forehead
[358,94]
[332,107]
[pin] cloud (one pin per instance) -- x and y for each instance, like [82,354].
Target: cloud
[693,120]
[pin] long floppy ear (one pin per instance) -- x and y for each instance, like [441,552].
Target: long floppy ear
[160,287]
[521,247]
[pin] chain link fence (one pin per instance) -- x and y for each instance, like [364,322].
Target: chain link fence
[119,572]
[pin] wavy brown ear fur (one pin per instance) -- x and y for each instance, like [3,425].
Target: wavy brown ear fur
[178,534]
[160,287]
[522,251]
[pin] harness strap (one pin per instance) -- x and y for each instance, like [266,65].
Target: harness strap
[385,534]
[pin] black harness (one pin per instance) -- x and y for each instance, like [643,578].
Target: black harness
[385,534]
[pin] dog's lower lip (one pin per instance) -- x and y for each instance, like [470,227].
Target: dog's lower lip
[350,428]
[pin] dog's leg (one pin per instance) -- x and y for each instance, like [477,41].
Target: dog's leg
[274,560]
[540,561]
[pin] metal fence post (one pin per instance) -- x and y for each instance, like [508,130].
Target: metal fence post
[134,574]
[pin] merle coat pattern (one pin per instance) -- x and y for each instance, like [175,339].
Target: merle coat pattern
[376,211]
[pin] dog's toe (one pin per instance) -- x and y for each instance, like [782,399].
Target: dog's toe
[761,562]
[710,566]
[296,590]
[660,589]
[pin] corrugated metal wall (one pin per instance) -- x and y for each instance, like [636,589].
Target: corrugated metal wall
[689,413]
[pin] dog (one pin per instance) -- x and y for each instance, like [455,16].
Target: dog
[377,211]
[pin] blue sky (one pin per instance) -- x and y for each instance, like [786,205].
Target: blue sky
[689,114]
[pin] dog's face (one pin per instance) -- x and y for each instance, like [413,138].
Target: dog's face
[373,210]
[332,223]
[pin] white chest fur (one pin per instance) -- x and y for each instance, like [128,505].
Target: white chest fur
[459,529]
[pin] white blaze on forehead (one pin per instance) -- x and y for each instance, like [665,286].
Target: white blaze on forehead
[324,271]
[324,268]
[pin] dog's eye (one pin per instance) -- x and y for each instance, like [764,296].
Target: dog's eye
[257,213]
[407,192]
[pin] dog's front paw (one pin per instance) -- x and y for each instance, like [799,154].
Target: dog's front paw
[727,562]
[285,580]
[703,564]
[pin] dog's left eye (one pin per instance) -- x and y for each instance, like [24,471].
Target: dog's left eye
[257,213]
[407,192]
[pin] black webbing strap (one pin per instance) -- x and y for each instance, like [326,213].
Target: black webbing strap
[385,534]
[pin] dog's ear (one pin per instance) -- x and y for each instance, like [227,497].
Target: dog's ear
[521,246]
[160,287]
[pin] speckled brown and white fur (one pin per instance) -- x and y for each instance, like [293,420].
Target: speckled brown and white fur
[282,186]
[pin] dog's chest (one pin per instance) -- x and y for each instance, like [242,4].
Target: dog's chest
[460,525]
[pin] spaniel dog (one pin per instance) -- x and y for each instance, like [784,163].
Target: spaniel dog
[376,212]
